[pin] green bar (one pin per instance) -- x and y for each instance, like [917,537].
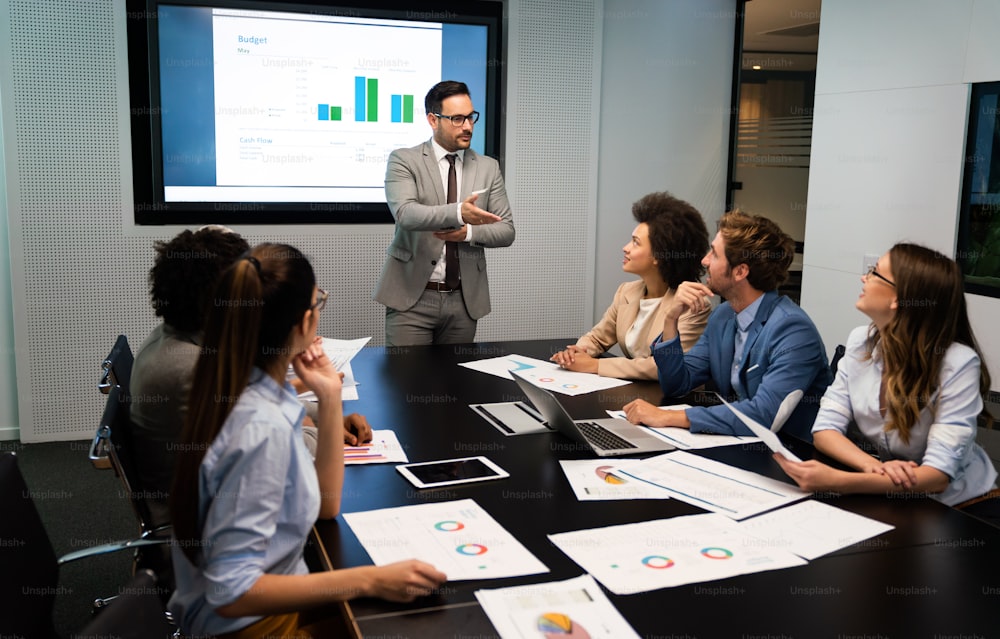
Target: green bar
[407,108]
[373,99]
[335,113]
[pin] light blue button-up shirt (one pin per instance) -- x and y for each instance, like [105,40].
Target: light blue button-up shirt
[743,320]
[258,497]
[944,438]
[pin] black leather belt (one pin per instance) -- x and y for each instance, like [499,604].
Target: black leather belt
[441,287]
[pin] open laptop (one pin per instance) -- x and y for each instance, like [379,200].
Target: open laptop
[606,437]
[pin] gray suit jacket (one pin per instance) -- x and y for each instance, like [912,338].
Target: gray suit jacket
[416,197]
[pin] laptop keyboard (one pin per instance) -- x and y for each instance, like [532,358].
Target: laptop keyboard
[602,437]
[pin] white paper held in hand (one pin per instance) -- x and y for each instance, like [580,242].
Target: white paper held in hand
[770,437]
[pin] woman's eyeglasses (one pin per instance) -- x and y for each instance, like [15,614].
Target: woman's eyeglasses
[874,271]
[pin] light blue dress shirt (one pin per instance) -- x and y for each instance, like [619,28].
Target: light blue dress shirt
[258,497]
[743,320]
[944,440]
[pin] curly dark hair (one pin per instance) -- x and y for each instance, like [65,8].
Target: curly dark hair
[186,270]
[678,236]
[760,244]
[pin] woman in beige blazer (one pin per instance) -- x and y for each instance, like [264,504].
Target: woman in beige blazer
[666,249]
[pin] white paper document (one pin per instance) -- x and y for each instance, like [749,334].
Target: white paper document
[714,486]
[684,439]
[573,609]
[594,479]
[663,553]
[383,448]
[547,375]
[340,352]
[811,529]
[458,538]
[769,436]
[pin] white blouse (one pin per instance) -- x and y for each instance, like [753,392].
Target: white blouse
[945,440]
[634,339]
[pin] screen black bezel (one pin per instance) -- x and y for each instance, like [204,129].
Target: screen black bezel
[150,207]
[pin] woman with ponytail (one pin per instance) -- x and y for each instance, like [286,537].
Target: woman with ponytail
[246,491]
[913,381]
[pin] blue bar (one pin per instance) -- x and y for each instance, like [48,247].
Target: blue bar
[360,86]
[397,108]
[324,112]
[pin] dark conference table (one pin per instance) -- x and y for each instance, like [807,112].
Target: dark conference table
[936,575]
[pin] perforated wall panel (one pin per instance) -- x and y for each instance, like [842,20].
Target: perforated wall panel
[544,288]
[79,277]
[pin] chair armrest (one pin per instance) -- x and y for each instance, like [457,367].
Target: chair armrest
[114,546]
[102,438]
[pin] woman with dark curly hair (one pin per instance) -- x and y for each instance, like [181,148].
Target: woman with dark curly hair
[666,249]
[181,283]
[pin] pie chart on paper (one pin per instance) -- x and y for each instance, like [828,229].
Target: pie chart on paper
[555,625]
[602,472]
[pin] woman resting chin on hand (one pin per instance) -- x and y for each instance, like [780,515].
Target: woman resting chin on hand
[246,491]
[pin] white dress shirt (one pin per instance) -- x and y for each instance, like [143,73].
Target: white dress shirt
[944,440]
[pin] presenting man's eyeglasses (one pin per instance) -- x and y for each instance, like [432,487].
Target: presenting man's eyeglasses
[459,120]
[874,271]
[320,302]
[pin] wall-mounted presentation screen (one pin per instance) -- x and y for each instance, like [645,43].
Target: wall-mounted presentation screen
[978,249]
[286,113]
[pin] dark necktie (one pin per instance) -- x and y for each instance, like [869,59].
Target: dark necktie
[451,268]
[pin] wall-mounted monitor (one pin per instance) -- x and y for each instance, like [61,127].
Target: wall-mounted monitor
[248,112]
[978,250]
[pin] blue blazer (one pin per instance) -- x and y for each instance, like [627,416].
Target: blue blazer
[784,353]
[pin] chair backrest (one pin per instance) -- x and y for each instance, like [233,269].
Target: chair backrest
[838,354]
[137,613]
[116,369]
[114,439]
[30,572]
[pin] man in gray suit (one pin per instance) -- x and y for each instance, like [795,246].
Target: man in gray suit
[449,203]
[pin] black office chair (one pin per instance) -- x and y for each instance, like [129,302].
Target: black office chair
[113,442]
[113,439]
[853,432]
[30,574]
[136,614]
[113,448]
[116,370]
[838,354]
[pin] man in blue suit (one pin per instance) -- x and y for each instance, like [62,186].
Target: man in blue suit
[758,346]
